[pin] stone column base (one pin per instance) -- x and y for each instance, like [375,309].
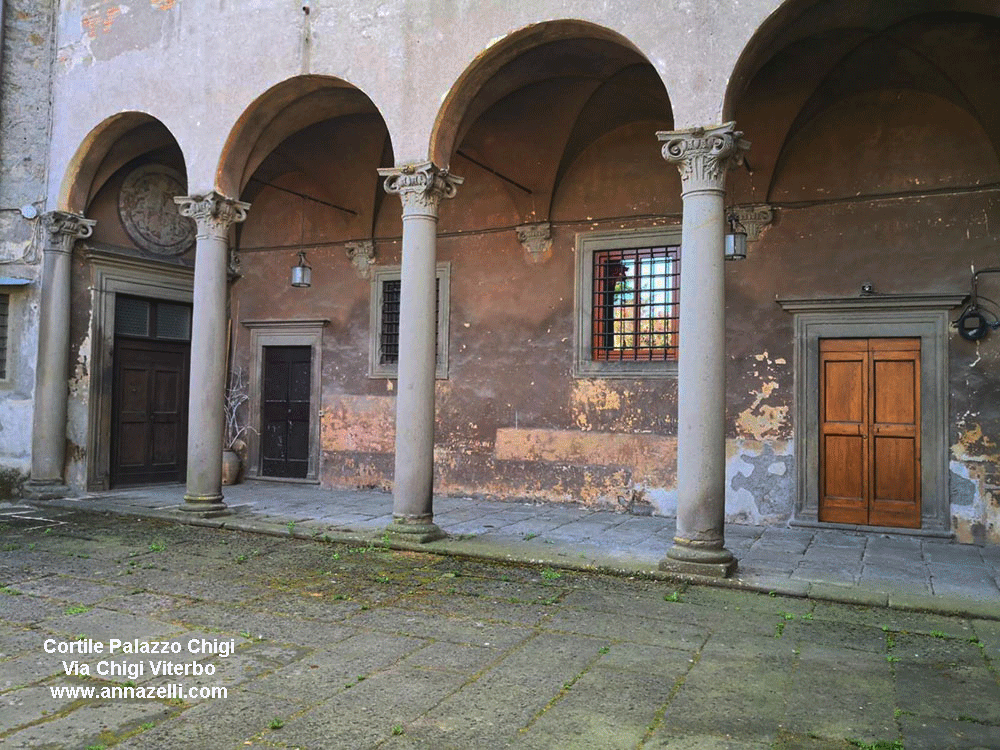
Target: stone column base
[208,506]
[418,530]
[42,489]
[716,562]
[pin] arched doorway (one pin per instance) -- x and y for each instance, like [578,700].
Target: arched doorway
[306,155]
[875,147]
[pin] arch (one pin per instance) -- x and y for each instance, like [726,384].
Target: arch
[460,106]
[113,143]
[286,108]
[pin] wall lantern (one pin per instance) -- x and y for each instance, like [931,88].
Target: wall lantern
[302,273]
[736,239]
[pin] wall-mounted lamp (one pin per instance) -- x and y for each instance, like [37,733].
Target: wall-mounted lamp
[302,273]
[736,239]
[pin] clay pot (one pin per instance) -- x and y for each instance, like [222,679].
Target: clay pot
[231,465]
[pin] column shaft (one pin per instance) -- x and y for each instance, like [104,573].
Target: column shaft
[214,215]
[703,157]
[48,436]
[421,187]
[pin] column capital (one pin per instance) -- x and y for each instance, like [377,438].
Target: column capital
[64,229]
[704,155]
[420,186]
[212,212]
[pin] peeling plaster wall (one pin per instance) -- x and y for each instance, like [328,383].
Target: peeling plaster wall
[24,148]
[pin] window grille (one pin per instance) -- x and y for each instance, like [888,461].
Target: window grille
[636,304]
[389,340]
[151,319]
[4,309]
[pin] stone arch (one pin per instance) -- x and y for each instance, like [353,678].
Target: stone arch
[285,108]
[115,142]
[460,106]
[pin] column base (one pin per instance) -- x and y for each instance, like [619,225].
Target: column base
[205,506]
[417,530]
[45,489]
[700,560]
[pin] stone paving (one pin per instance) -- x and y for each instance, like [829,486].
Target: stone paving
[357,646]
[911,572]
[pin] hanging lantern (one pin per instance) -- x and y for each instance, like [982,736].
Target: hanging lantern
[302,273]
[736,239]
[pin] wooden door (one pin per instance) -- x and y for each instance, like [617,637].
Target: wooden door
[285,411]
[870,431]
[149,407]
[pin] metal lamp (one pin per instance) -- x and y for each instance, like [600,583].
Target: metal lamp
[302,273]
[736,239]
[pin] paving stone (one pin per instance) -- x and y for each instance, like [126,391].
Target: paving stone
[67,589]
[259,624]
[325,670]
[925,733]
[628,702]
[427,625]
[229,722]
[97,723]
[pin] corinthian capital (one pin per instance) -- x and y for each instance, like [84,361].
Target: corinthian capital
[64,229]
[704,155]
[420,186]
[213,213]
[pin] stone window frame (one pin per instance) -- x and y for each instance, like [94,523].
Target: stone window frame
[297,332]
[381,274]
[115,274]
[923,316]
[588,243]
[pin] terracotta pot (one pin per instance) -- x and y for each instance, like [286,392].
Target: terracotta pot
[231,466]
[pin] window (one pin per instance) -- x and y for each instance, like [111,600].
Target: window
[628,303]
[4,310]
[384,317]
[144,318]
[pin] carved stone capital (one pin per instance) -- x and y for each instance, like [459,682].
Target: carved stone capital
[64,229]
[362,256]
[754,219]
[420,186]
[536,239]
[704,155]
[213,213]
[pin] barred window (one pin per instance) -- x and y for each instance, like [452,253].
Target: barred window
[635,311]
[4,317]
[384,354]
[627,303]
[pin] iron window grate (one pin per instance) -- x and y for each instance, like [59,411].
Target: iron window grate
[4,310]
[636,310]
[389,339]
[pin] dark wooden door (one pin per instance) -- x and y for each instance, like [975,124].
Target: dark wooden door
[870,431]
[285,411]
[149,408]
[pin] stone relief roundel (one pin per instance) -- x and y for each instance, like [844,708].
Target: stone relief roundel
[147,209]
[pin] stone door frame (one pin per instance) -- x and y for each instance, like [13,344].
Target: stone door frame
[284,333]
[114,274]
[923,316]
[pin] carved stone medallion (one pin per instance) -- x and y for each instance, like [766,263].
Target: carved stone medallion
[147,209]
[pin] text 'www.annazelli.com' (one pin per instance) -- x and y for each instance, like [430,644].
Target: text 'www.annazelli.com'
[172,691]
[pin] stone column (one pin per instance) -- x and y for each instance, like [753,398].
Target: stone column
[213,214]
[703,156]
[421,188]
[48,436]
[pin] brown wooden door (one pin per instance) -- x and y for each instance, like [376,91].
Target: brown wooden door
[149,423]
[285,411]
[870,431]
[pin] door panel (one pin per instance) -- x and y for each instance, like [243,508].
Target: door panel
[843,433]
[870,431]
[285,411]
[149,412]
